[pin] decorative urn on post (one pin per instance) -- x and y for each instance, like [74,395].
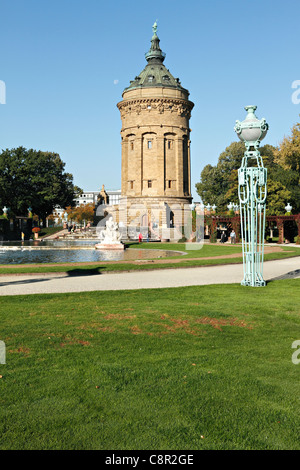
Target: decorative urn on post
[252,195]
[251,131]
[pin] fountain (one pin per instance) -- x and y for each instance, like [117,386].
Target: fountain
[110,237]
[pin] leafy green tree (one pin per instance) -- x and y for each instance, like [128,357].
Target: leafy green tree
[288,152]
[210,187]
[36,179]
[277,195]
[287,158]
[231,158]
[84,212]
[219,184]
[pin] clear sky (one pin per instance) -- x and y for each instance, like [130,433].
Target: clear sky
[65,64]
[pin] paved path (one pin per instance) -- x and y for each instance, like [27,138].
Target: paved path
[61,283]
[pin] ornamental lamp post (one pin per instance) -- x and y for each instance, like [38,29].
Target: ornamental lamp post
[252,191]
[236,208]
[288,208]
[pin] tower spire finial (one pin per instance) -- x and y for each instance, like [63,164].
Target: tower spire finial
[154,28]
[155,53]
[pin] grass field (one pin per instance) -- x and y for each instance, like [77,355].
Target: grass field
[189,368]
[46,231]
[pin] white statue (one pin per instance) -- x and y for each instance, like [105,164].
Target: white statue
[110,237]
[111,232]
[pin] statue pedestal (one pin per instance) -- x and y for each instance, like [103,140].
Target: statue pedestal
[110,246]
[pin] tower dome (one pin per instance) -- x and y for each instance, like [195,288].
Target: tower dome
[155,74]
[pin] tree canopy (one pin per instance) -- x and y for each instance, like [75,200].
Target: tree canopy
[84,212]
[219,184]
[36,179]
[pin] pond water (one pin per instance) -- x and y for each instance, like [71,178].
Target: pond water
[70,252]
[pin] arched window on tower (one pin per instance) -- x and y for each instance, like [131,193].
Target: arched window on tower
[171,219]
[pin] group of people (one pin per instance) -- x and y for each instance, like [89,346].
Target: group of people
[232,237]
[72,227]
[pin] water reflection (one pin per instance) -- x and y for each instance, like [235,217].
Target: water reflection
[69,252]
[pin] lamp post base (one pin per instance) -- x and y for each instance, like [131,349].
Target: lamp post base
[255,283]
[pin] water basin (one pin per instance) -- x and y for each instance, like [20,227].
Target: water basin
[71,251]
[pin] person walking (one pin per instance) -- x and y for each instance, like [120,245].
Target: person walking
[232,236]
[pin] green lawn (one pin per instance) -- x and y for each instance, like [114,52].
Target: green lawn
[46,231]
[206,250]
[189,368]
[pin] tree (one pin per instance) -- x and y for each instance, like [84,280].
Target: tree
[36,179]
[277,195]
[84,212]
[211,186]
[219,184]
[287,157]
[288,152]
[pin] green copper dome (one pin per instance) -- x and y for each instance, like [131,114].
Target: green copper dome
[155,74]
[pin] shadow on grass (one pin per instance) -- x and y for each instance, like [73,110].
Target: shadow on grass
[129,244]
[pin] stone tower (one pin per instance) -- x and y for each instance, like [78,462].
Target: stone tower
[155,112]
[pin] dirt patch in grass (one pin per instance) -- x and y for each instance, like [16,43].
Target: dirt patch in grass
[21,350]
[119,316]
[219,322]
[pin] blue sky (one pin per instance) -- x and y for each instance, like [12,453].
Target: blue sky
[66,63]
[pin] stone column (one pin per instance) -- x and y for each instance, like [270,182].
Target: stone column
[179,165]
[138,154]
[213,230]
[124,165]
[160,146]
[297,220]
[189,165]
[280,226]
[236,225]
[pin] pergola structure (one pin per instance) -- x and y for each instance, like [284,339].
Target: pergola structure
[280,221]
[214,221]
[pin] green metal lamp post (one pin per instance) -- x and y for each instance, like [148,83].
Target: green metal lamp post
[252,195]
